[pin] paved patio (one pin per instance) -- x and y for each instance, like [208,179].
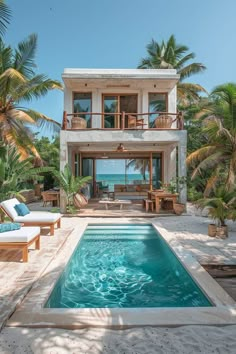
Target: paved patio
[17,278]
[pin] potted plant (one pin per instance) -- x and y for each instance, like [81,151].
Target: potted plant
[221,206]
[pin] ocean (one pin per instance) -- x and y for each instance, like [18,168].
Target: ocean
[111,179]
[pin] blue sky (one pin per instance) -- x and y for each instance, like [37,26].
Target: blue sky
[114,34]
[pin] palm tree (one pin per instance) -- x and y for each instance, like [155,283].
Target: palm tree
[218,156]
[4,16]
[170,55]
[19,83]
[141,165]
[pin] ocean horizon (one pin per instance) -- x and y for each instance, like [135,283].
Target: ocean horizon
[130,178]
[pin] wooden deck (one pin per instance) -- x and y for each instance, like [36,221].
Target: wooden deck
[225,275]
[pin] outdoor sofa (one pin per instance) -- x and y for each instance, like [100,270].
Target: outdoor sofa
[34,218]
[131,191]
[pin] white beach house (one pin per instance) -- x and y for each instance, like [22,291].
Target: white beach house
[123,114]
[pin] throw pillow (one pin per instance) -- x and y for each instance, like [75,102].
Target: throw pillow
[9,227]
[130,188]
[22,209]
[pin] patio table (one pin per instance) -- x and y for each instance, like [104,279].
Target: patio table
[157,196]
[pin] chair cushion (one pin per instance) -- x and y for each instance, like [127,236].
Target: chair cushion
[130,188]
[39,216]
[9,227]
[24,234]
[8,206]
[22,209]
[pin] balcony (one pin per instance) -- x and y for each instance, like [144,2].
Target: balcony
[122,121]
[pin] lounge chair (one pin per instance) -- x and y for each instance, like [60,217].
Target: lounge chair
[34,218]
[21,239]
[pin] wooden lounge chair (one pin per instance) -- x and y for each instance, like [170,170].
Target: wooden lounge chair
[34,218]
[21,239]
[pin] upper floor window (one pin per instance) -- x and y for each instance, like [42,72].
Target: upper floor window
[157,103]
[82,103]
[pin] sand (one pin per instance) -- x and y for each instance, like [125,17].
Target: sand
[148,340]
[191,233]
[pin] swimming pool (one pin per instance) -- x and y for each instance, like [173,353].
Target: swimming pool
[124,266]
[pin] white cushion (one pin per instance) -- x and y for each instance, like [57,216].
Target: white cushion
[38,216]
[8,205]
[24,234]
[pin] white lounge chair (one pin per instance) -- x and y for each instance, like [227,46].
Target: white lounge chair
[21,239]
[34,218]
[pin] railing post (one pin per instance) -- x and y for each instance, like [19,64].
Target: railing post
[64,121]
[123,120]
[180,121]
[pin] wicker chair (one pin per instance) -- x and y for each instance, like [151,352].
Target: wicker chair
[49,198]
[163,121]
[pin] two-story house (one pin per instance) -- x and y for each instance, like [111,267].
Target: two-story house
[123,114]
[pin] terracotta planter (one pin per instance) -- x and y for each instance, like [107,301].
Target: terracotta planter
[78,123]
[217,231]
[222,231]
[178,208]
[212,230]
[163,122]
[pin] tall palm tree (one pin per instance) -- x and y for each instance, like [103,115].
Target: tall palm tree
[219,124]
[170,55]
[4,16]
[18,84]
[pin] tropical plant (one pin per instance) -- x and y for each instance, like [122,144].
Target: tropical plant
[5,14]
[15,173]
[70,184]
[221,204]
[175,185]
[218,155]
[170,55]
[19,83]
[49,151]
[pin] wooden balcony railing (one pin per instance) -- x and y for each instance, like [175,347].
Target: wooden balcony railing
[122,121]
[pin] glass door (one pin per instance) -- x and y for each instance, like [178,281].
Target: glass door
[110,106]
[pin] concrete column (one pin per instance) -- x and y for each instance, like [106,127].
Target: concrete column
[182,171]
[63,162]
[97,107]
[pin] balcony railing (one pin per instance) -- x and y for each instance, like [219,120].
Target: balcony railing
[122,121]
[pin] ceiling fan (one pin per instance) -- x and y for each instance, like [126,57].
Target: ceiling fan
[121,148]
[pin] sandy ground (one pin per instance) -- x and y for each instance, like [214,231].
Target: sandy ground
[182,340]
[191,232]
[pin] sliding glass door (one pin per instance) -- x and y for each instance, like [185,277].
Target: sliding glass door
[114,105]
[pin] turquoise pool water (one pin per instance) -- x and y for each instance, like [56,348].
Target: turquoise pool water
[124,266]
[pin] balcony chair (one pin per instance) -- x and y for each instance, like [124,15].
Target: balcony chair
[134,122]
[33,218]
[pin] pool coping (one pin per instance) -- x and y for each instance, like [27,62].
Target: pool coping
[30,313]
